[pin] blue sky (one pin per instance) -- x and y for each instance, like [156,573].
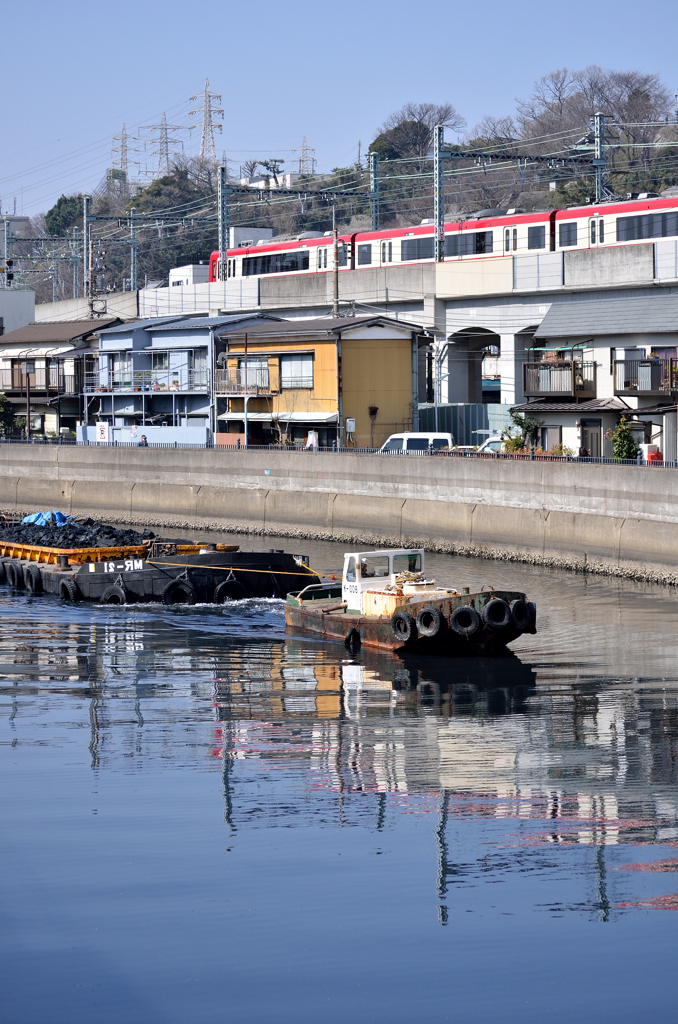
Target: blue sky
[74,72]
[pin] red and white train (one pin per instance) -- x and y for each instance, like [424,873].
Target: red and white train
[483,234]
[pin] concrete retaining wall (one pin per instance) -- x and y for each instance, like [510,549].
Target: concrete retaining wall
[619,520]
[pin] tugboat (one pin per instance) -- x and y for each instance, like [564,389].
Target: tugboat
[385,600]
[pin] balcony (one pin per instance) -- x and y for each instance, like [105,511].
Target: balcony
[232,381]
[155,381]
[645,377]
[44,381]
[559,380]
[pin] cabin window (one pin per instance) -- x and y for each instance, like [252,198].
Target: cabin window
[438,443]
[417,444]
[394,444]
[536,237]
[374,567]
[320,259]
[471,243]
[601,230]
[325,258]
[364,254]
[515,239]
[593,232]
[296,371]
[350,570]
[507,240]
[410,562]
[567,234]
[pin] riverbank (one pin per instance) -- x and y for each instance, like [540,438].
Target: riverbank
[612,520]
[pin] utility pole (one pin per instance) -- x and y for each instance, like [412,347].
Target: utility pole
[133,249]
[87,251]
[76,264]
[439,193]
[374,190]
[208,150]
[599,156]
[224,209]
[335,249]
[8,253]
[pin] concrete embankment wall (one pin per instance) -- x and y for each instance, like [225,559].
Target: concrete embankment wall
[612,519]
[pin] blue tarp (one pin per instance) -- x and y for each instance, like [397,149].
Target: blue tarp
[48,519]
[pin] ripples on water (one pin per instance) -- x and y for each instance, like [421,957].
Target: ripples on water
[203,815]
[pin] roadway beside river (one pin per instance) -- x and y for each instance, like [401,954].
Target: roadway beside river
[616,520]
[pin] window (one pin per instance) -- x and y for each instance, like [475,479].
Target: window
[407,563]
[350,570]
[325,258]
[439,442]
[394,444]
[417,444]
[567,234]
[515,239]
[536,237]
[364,254]
[593,232]
[653,225]
[296,371]
[320,259]
[601,230]
[276,263]
[471,243]
[343,254]
[160,360]
[417,248]
[386,252]
[374,566]
[507,240]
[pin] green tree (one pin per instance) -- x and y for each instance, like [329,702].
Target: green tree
[623,442]
[527,425]
[64,214]
[6,415]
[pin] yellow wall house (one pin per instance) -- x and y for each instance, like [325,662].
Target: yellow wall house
[353,380]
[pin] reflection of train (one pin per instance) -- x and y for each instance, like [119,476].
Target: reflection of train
[482,234]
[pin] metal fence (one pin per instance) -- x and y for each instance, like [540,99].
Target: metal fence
[167,381]
[559,378]
[42,379]
[298,448]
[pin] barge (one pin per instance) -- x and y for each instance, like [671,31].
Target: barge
[165,571]
[386,601]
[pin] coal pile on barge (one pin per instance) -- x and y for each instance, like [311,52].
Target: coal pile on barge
[88,534]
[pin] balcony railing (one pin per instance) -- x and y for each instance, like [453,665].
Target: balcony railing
[559,379]
[44,380]
[645,376]
[147,380]
[232,381]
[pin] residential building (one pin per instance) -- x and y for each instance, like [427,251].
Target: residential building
[158,375]
[43,365]
[351,379]
[592,362]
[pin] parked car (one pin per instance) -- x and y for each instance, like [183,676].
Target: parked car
[492,444]
[413,441]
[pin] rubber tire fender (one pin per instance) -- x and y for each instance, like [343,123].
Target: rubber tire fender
[114,591]
[436,623]
[173,587]
[465,620]
[532,608]
[14,571]
[496,614]
[352,640]
[68,590]
[3,574]
[229,590]
[404,627]
[33,579]
[520,615]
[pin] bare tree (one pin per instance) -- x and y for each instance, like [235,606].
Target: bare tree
[250,168]
[410,130]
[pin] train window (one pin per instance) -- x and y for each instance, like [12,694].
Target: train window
[536,237]
[601,230]
[593,232]
[326,257]
[343,254]
[472,243]
[653,225]
[320,258]
[515,239]
[390,252]
[567,234]
[276,263]
[507,240]
[417,248]
[364,254]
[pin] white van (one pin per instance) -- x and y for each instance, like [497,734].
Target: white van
[411,441]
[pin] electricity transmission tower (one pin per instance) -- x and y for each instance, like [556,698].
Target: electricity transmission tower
[306,162]
[164,142]
[208,150]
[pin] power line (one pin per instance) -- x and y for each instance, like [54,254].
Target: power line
[208,151]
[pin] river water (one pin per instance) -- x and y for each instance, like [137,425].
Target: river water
[206,818]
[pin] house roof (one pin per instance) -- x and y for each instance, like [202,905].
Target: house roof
[136,325]
[592,405]
[328,325]
[48,332]
[194,322]
[651,314]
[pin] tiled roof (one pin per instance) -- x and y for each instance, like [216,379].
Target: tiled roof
[647,314]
